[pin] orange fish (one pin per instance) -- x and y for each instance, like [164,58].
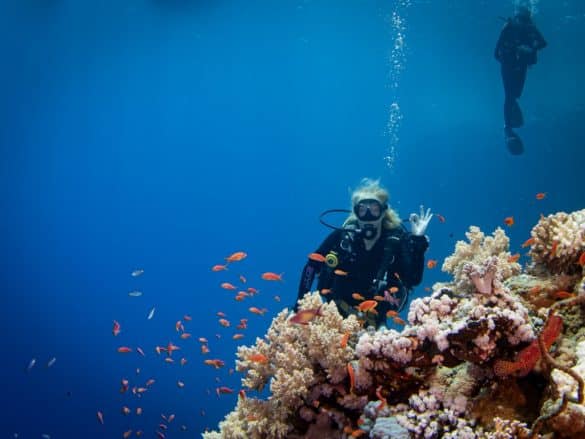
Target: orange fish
[440,217]
[242,279]
[139,411]
[325,291]
[169,360]
[238,336]
[540,195]
[237,256]
[183,361]
[393,290]
[535,289]
[127,434]
[125,410]
[240,296]
[258,311]
[124,349]
[171,418]
[528,242]
[514,257]
[509,221]
[220,314]
[185,335]
[272,276]
[223,389]
[202,340]
[171,348]
[340,272]
[427,289]
[150,382]
[228,286]
[242,394]
[391,313]
[317,257]
[399,321]
[367,306]
[563,295]
[215,363]
[204,349]
[100,417]
[252,290]
[431,263]
[358,296]
[379,298]
[582,259]
[305,316]
[344,340]
[351,373]
[187,318]
[219,267]
[553,250]
[178,326]
[116,328]
[358,432]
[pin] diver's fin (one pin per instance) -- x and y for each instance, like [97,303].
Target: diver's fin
[513,142]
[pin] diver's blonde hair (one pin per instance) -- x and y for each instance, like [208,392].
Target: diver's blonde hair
[369,188]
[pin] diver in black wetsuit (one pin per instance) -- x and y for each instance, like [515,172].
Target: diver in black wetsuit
[372,254]
[516,50]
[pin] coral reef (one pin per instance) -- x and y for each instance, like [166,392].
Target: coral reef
[497,353]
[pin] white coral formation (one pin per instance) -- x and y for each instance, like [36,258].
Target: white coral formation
[300,359]
[559,240]
[572,420]
[471,258]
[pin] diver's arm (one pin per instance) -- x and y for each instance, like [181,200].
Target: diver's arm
[539,41]
[501,40]
[312,268]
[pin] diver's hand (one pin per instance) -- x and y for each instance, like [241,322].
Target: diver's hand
[418,224]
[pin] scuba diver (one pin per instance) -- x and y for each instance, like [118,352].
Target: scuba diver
[516,50]
[372,254]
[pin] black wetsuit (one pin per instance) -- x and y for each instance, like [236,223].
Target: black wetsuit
[397,255]
[518,31]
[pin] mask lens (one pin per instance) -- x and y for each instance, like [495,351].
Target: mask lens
[368,210]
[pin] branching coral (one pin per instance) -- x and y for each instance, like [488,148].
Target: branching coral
[302,363]
[559,240]
[477,257]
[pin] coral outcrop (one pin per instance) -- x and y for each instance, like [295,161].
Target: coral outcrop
[497,353]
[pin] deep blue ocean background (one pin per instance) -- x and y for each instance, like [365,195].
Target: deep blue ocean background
[167,134]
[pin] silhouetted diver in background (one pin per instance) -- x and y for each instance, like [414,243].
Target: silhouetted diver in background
[516,50]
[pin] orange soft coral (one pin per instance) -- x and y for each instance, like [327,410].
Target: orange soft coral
[527,357]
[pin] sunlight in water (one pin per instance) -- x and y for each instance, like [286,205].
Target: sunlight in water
[397,65]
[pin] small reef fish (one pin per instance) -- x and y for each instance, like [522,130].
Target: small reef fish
[51,362]
[100,417]
[127,434]
[431,263]
[217,363]
[219,267]
[258,358]
[399,321]
[326,291]
[358,296]
[151,314]
[140,351]
[277,298]
[509,221]
[185,335]
[31,364]
[541,195]
[204,349]
[562,295]
[237,256]
[367,306]
[138,272]
[202,340]
[135,293]
[582,259]
[223,390]
[514,258]
[351,373]
[243,279]
[393,290]
[344,340]
[116,328]
[225,323]
[258,311]
[305,316]
[440,217]
[317,257]
[228,286]
[180,384]
[339,272]
[124,349]
[252,290]
[272,276]
[528,242]
[238,336]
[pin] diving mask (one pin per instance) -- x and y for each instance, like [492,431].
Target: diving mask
[369,209]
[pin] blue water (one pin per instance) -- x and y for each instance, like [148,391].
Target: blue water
[167,134]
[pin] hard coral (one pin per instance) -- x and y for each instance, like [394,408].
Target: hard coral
[304,363]
[559,240]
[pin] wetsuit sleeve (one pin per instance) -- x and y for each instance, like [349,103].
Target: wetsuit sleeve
[412,259]
[539,41]
[501,41]
[312,268]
